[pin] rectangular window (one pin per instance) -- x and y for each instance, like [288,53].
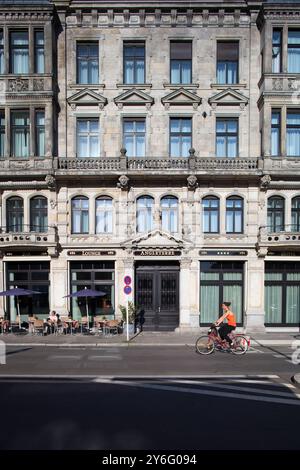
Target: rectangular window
[293,133]
[220,281]
[20,133]
[1,52]
[134,62]
[2,133]
[181,62]
[180,137]
[97,276]
[88,138]
[87,63]
[282,293]
[19,52]
[39,52]
[34,276]
[134,137]
[294,51]
[277,51]
[227,62]
[275,132]
[40,133]
[227,137]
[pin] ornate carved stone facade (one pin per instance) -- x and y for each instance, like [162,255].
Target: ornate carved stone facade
[160,209]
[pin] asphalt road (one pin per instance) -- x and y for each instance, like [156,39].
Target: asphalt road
[148,398]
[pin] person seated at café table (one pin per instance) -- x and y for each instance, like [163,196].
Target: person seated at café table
[52,320]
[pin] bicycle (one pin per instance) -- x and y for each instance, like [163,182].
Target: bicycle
[207,344]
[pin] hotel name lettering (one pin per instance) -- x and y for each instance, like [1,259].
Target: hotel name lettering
[91,253]
[157,252]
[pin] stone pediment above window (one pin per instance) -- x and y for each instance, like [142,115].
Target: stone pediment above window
[181,97]
[134,97]
[157,239]
[87,98]
[228,97]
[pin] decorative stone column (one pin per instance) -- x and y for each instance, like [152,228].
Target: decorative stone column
[59,285]
[188,315]
[254,299]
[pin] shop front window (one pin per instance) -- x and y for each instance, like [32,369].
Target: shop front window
[219,282]
[32,276]
[98,276]
[282,293]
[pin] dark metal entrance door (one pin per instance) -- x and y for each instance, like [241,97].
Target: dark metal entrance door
[157,293]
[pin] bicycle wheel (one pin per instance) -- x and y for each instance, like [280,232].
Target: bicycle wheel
[205,345]
[240,345]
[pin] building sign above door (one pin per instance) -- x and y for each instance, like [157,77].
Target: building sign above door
[91,253]
[157,252]
[222,253]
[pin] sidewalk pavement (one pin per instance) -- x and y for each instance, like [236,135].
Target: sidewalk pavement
[142,339]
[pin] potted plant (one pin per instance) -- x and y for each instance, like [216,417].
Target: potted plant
[132,310]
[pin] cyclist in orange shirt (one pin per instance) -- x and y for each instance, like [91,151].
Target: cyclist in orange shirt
[229,326]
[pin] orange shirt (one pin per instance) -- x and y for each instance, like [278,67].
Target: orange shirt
[231,321]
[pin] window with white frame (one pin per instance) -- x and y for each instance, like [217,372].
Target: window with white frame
[169,214]
[88,138]
[181,62]
[180,136]
[144,214]
[134,62]
[87,62]
[234,214]
[39,51]
[211,214]
[293,133]
[134,136]
[294,51]
[227,62]
[80,214]
[104,214]
[20,133]
[39,214]
[19,52]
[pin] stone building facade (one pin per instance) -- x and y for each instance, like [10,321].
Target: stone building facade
[155,140]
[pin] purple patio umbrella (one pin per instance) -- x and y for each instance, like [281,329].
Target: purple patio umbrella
[87,293]
[18,292]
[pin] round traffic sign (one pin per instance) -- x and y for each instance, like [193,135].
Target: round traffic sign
[127,280]
[127,290]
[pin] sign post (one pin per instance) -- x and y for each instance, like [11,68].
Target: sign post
[127,291]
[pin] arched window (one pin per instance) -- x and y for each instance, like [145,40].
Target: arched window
[169,214]
[15,214]
[234,214]
[80,214]
[144,214]
[295,214]
[211,214]
[39,214]
[104,215]
[275,214]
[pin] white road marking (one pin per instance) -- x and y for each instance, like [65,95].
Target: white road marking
[55,358]
[234,387]
[283,401]
[95,358]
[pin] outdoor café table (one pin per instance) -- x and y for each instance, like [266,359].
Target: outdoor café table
[71,323]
